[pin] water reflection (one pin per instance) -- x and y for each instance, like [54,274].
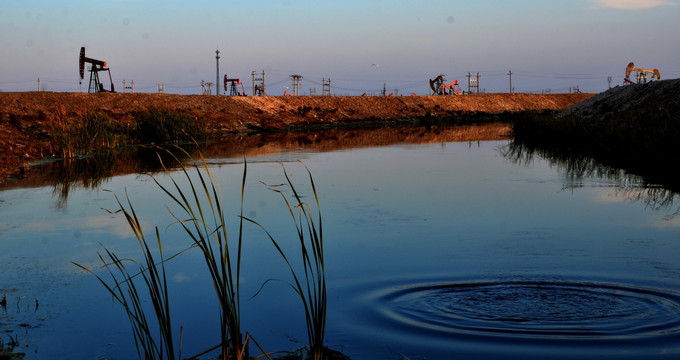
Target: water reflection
[579,170]
[442,250]
[91,172]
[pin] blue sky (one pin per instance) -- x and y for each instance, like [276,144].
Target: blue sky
[359,45]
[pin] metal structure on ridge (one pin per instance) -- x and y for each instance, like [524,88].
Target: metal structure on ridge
[231,85]
[95,85]
[439,86]
[641,76]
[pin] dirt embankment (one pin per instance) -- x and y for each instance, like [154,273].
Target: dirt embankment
[657,98]
[25,118]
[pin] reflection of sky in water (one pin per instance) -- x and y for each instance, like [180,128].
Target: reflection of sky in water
[390,214]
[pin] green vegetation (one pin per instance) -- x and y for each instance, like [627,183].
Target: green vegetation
[162,126]
[201,216]
[125,291]
[95,131]
[84,134]
[311,285]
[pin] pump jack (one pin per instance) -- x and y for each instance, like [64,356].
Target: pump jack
[97,66]
[641,74]
[231,85]
[439,86]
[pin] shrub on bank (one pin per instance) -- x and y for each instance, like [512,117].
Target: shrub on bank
[84,134]
[162,126]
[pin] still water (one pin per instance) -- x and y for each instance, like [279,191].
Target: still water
[468,250]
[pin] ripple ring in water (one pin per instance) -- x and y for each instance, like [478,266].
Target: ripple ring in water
[535,309]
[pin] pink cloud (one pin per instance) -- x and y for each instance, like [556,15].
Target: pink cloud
[632,4]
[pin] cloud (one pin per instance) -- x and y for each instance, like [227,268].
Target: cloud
[631,4]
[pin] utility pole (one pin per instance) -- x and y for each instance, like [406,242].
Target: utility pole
[217,74]
[510,74]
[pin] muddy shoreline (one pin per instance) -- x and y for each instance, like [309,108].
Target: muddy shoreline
[25,118]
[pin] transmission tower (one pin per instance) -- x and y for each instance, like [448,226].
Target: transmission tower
[130,87]
[326,87]
[259,89]
[473,82]
[206,87]
[296,84]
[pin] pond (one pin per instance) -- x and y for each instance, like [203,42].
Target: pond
[451,246]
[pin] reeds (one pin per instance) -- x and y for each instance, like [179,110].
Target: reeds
[203,221]
[95,130]
[310,283]
[124,289]
[199,212]
[164,126]
[83,134]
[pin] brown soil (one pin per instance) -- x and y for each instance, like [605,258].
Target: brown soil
[25,118]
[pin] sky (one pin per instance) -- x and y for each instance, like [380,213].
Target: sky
[362,46]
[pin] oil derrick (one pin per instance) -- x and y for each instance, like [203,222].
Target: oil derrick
[296,84]
[97,66]
[232,85]
[259,88]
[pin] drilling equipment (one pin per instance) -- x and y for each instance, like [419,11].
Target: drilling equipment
[641,74]
[439,86]
[231,85]
[97,66]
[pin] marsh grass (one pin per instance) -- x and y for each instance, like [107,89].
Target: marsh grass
[204,223]
[164,126]
[199,210]
[309,282]
[126,290]
[72,136]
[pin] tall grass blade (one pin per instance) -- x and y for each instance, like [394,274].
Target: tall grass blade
[310,282]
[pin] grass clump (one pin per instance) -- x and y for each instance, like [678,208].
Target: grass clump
[83,134]
[163,126]
[309,282]
[197,207]
[126,290]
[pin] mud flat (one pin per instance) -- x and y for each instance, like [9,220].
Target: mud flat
[25,118]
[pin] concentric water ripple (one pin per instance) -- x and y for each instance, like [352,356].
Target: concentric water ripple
[535,309]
